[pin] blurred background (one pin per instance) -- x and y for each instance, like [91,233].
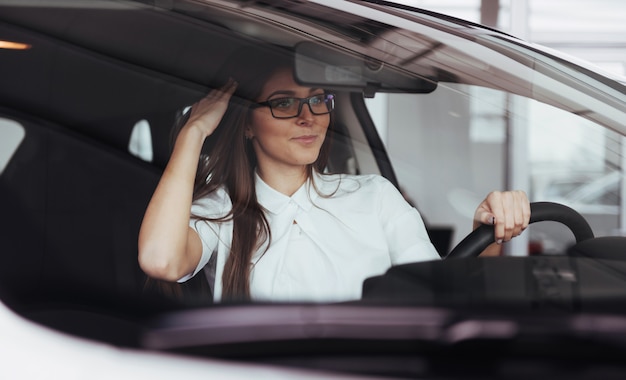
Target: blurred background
[593,30]
[550,155]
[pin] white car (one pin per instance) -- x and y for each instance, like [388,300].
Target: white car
[441,107]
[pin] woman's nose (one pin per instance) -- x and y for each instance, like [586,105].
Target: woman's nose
[306,114]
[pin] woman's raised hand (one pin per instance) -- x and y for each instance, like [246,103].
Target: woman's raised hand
[508,211]
[207,113]
[168,247]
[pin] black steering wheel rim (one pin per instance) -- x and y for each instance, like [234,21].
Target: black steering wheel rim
[483,236]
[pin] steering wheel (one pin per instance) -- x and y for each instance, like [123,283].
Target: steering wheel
[483,236]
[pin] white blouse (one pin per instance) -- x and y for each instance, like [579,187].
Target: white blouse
[333,233]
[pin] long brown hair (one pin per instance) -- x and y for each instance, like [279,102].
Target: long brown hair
[229,161]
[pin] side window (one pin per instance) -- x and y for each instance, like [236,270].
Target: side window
[11,136]
[453,146]
[578,163]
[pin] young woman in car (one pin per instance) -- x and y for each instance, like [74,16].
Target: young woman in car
[281,230]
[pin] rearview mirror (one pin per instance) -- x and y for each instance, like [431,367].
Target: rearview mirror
[317,65]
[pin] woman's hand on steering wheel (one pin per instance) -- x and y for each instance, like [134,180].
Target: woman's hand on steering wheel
[507,211]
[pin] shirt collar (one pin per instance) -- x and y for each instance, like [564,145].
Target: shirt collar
[276,202]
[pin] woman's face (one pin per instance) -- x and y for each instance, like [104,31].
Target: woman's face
[282,144]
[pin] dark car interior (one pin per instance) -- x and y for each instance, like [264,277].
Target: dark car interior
[78,96]
[72,196]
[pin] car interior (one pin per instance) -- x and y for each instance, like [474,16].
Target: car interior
[74,190]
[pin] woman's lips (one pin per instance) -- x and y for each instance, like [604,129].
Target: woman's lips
[309,139]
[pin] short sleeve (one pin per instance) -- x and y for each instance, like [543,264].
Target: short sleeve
[404,228]
[211,233]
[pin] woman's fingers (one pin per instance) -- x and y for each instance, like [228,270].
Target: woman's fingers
[217,97]
[508,211]
[229,88]
[208,111]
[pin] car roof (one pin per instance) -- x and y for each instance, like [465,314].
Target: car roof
[164,54]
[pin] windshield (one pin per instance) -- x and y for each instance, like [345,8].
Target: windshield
[398,126]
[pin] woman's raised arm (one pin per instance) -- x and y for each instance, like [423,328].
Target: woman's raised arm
[168,247]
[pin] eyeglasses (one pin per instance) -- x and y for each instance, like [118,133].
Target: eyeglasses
[286,108]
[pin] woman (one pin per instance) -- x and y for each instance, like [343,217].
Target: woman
[279,229]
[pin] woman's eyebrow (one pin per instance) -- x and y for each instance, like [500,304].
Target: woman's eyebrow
[292,93]
[282,92]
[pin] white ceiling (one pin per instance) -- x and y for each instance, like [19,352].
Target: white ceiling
[594,30]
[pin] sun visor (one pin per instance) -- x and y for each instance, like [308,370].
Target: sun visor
[321,66]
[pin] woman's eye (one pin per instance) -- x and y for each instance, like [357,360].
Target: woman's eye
[317,100]
[282,103]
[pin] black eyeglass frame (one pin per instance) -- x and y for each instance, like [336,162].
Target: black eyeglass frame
[329,100]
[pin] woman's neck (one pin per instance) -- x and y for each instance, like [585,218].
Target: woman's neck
[286,181]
